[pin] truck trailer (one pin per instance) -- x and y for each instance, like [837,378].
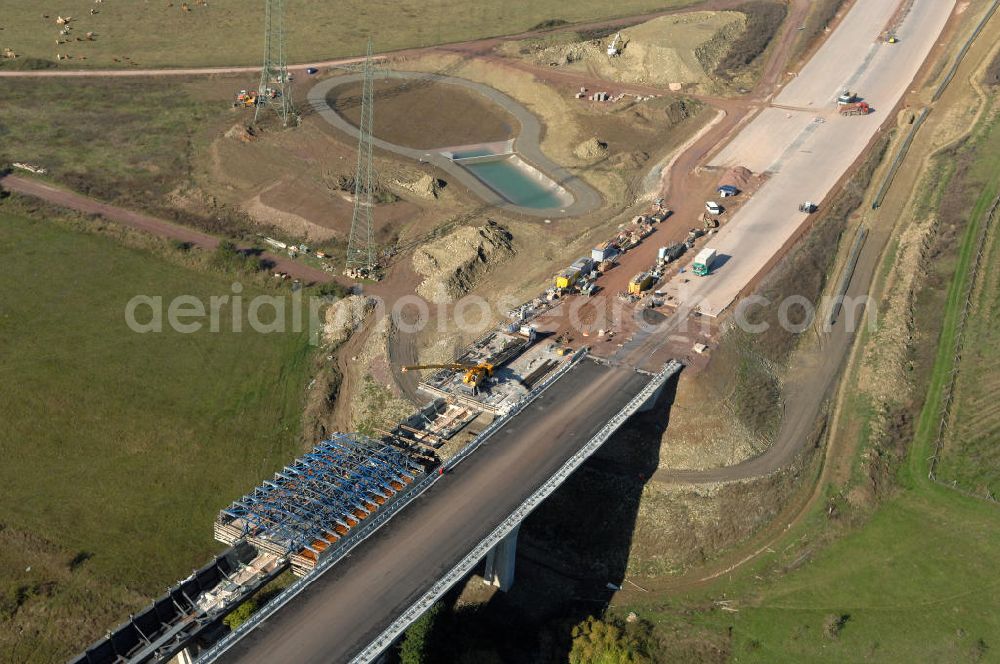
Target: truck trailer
[703,262]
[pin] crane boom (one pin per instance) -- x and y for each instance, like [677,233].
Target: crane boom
[453,366]
[474,373]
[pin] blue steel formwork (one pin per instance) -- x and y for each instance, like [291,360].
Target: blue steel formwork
[318,498]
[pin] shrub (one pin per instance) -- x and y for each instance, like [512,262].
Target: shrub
[243,612]
[834,624]
[550,23]
[992,76]
[229,258]
[600,642]
[416,642]
[332,289]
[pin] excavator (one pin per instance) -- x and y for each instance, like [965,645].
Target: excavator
[474,375]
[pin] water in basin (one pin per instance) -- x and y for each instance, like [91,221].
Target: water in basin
[517,182]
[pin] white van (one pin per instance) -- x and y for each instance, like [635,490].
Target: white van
[713,207]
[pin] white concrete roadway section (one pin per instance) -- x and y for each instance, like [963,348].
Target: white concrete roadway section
[807,151]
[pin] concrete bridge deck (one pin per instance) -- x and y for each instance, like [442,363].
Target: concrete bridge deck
[350,605]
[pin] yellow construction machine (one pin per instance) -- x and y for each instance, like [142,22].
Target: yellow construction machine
[474,374]
[245,99]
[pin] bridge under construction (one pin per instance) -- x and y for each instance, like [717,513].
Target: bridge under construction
[353,494]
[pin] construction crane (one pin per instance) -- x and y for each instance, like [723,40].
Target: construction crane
[474,375]
[613,49]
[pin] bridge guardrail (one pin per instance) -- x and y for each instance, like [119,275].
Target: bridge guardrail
[336,554]
[436,591]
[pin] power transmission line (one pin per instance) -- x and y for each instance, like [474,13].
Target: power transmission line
[275,89]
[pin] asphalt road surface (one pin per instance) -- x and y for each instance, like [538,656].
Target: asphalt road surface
[527,145]
[349,605]
[806,145]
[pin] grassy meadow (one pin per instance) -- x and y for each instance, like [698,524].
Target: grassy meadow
[231,32]
[119,448]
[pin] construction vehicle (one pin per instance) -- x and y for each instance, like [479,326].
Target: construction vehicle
[583,265]
[847,97]
[613,49]
[856,108]
[702,265]
[639,283]
[245,99]
[567,278]
[669,254]
[474,374]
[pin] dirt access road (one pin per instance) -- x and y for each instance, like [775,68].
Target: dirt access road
[149,224]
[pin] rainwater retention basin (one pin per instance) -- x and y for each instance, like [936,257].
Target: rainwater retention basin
[514,179]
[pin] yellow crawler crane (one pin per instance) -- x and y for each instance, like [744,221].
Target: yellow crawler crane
[474,374]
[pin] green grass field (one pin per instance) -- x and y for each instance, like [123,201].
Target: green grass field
[971,456]
[119,139]
[128,141]
[119,448]
[230,32]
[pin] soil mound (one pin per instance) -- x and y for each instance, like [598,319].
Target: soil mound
[680,49]
[591,149]
[241,133]
[426,186]
[452,265]
[737,176]
[344,317]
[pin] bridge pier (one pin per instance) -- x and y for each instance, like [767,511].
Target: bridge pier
[500,562]
[185,656]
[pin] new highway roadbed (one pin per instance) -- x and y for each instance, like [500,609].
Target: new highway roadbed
[348,606]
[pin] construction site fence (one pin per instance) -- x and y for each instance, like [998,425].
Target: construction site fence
[948,396]
[898,160]
[845,279]
[964,51]
[459,571]
[945,82]
[335,554]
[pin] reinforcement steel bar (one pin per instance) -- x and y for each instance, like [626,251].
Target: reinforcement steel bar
[336,483]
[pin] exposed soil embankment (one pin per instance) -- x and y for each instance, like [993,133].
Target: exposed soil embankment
[452,266]
[744,380]
[682,49]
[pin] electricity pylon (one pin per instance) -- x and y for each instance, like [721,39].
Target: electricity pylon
[361,244]
[275,89]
